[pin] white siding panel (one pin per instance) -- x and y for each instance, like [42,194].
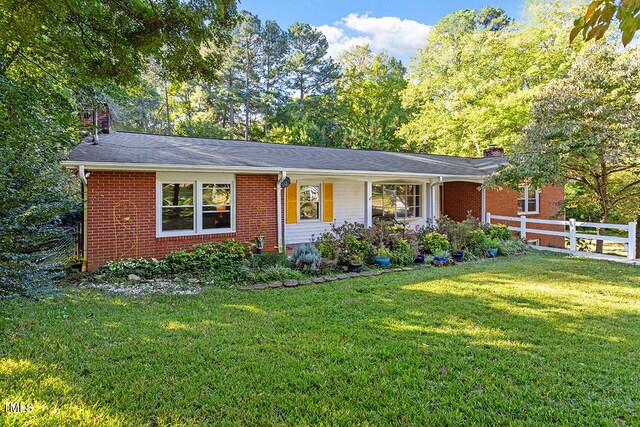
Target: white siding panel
[348,202]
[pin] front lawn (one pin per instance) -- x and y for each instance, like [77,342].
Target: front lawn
[535,339]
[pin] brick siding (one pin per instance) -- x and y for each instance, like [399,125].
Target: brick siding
[460,197]
[122,216]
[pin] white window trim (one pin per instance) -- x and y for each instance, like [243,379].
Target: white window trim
[320,202]
[197,200]
[404,220]
[526,211]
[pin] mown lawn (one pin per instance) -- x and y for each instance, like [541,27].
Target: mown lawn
[531,340]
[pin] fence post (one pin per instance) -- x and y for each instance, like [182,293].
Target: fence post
[572,235]
[631,252]
[489,218]
[523,227]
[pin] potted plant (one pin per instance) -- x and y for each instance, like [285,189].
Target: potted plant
[383,256]
[441,258]
[493,247]
[419,258]
[355,262]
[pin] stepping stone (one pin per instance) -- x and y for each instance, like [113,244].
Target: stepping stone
[397,269]
[376,272]
[134,277]
[275,284]
[246,288]
[319,280]
[291,283]
[342,276]
[305,282]
[407,268]
[353,274]
[367,273]
[330,278]
[261,286]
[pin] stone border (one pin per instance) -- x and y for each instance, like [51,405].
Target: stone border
[292,283]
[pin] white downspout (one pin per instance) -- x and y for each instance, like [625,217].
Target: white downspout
[281,178]
[85,216]
[434,196]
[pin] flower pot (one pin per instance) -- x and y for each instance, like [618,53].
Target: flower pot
[440,260]
[419,259]
[383,261]
[493,252]
[355,268]
[458,256]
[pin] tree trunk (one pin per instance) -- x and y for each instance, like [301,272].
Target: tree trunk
[604,215]
[166,106]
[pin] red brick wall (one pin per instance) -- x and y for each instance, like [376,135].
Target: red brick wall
[122,216]
[104,118]
[505,202]
[460,197]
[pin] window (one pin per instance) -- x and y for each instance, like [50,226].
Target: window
[397,201]
[309,202]
[528,200]
[216,206]
[195,207]
[177,207]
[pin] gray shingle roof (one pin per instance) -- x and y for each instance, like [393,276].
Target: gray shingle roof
[137,148]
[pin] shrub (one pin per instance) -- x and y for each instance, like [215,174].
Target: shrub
[229,274]
[271,259]
[306,258]
[512,247]
[464,234]
[498,231]
[143,267]
[404,253]
[383,252]
[207,256]
[434,242]
[276,272]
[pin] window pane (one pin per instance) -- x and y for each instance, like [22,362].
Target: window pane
[177,194]
[520,205]
[309,210]
[216,194]
[377,203]
[309,193]
[177,219]
[216,219]
[390,198]
[532,206]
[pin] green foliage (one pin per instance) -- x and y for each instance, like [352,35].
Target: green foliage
[596,20]
[435,242]
[306,258]
[404,253]
[270,259]
[276,272]
[143,267]
[512,247]
[383,252]
[498,231]
[473,85]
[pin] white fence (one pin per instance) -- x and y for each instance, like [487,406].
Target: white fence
[572,234]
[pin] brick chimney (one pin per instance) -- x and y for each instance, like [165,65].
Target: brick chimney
[102,121]
[494,151]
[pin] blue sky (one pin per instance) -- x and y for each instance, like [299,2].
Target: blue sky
[397,26]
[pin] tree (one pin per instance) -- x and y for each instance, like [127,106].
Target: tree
[310,72]
[597,18]
[275,49]
[369,94]
[55,56]
[584,128]
[473,84]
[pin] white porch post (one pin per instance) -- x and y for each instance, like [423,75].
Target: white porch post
[368,196]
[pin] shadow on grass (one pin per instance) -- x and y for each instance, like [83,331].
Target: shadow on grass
[490,343]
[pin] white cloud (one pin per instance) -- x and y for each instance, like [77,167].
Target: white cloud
[400,37]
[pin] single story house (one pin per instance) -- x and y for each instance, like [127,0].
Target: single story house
[147,195]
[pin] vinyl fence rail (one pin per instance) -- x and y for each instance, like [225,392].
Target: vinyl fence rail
[572,234]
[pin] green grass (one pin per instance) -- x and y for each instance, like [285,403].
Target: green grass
[538,339]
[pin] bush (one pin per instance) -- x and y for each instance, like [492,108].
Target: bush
[146,268]
[208,256]
[276,272]
[464,234]
[435,242]
[271,259]
[306,258]
[512,247]
[404,253]
[498,232]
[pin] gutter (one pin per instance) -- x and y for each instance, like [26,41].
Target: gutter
[281,177]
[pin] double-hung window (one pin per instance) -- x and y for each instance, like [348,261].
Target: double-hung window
[528,200]
[397,201]
[195,207]
[309,202]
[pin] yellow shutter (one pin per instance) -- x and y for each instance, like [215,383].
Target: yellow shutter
[292,203]
[327,194]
